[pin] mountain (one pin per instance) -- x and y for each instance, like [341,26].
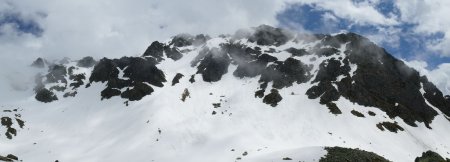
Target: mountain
[261,94]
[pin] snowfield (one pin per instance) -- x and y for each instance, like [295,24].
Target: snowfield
[161,128]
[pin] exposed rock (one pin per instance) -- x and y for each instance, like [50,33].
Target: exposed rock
[297,52]
[44,95]
[177,78]
[336,154]
[272,98]
[138,70]
[78,80]
[435,96]
[143,70]
[86,62]
[182,40]
[393,127]
[20,122]
[70,94]
[267,35]
[284,74]
[38,63]
[107,93]
[10,131]
[333,108]
[173,53]
[138,91]
[357,113]
[9,158]
[259,93]
[192,79]
[216,105]
[327,51]
[185,95]
[104,70]
[200,39]
[214,65]
[430,156]
[57,88]
[379,80]
[371,113]
[286,158]
[56,73]
[155,50]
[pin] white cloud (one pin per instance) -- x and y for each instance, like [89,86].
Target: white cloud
[430,17]
[440,76]
[117,28]
[360,13]
[105,28]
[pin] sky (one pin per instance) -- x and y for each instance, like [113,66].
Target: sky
[416,31]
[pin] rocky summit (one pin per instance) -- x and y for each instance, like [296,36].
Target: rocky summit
[317,89]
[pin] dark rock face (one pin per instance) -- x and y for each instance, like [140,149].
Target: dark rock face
[346,154]
[78,80]
[185,95]
[431,156]
[182,40]
[139,72]
[56,73]
[86,62]
[214,65]
[107,93]
[435,96]
[155,50]
[284,74]
[259,93]
[272,98]
[297,52]
[44,95]
[364,73]
[38,63]
[267,35]
[172,53]
[177,78]
[393,127]
[380,80]
[333,108]
[250,62]
[192,79]
[9,157]
[138,92]
[7,123]
[357,113]
[70,94]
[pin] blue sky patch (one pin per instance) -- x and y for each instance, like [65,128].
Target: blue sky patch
[20,24]
[408,44]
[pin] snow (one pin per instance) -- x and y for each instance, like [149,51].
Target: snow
[83,128]
[300,154]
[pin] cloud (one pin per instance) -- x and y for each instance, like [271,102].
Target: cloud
[440,76]
[104,28]
[416,30]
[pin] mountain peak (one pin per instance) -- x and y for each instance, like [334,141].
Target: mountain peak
[265,66]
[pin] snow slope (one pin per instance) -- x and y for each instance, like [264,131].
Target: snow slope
[161,127]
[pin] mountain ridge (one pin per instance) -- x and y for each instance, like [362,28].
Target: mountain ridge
[283,89]
[400,98]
